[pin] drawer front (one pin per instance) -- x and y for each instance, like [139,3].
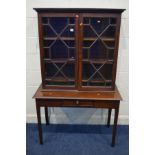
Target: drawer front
[83,103]
[68,103]
[78,103]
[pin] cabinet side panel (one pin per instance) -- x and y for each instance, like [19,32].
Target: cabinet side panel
[116,51]
[41,48]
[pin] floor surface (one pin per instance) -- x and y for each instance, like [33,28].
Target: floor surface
[76,140]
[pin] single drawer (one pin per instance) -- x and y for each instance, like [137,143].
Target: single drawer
[68,103]
[78,103]
[83,103]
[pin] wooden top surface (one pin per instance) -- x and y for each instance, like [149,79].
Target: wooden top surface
[74,94]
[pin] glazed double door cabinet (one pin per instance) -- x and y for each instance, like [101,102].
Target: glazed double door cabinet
[78,55]
[79,48]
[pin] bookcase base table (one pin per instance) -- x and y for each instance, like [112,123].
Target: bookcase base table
[58,98]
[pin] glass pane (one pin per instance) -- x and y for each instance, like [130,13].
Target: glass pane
[69,70]
[69,32]
[98,50]
[71,20]
[85,53]
[72,53]
[58,23]
[99,24]
[59,37]
[113,20]
[110,32]
[60,73]
[98,37]
[109,44]
[87,71]
[106,71]
[88,31]
[86,20]
[50,70]
[48,43]
[69,43]
[59,50]
[96,74]
[111,54]
[46,54]
[87,43]
[45,20]
[48,31]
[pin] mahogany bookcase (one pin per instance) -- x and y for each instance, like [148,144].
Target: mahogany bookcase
[78,57]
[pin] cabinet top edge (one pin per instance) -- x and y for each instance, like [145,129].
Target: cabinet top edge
[78,10]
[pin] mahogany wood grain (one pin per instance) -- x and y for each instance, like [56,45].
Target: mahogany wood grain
[107,96]
[76,99]
[85,95]
[79,15]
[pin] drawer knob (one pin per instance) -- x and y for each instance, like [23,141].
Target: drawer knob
[77,16]
[77,102]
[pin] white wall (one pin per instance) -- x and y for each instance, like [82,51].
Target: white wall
[71,115]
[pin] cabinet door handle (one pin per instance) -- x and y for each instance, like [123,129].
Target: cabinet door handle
[81,24]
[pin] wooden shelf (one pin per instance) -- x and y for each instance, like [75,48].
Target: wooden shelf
[94,61]
[59,60]
[104,39]
[98,61]
[97,81]
[58,38]
[59,79]
[85,39]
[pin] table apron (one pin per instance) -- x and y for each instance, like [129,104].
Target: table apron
[113,104]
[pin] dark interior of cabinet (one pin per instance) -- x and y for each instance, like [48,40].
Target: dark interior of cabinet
[98,50]
[75,55]
[59,50]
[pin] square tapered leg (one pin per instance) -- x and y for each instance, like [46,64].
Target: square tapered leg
[115,127]
[46,116]
[109,117]
[39,123]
